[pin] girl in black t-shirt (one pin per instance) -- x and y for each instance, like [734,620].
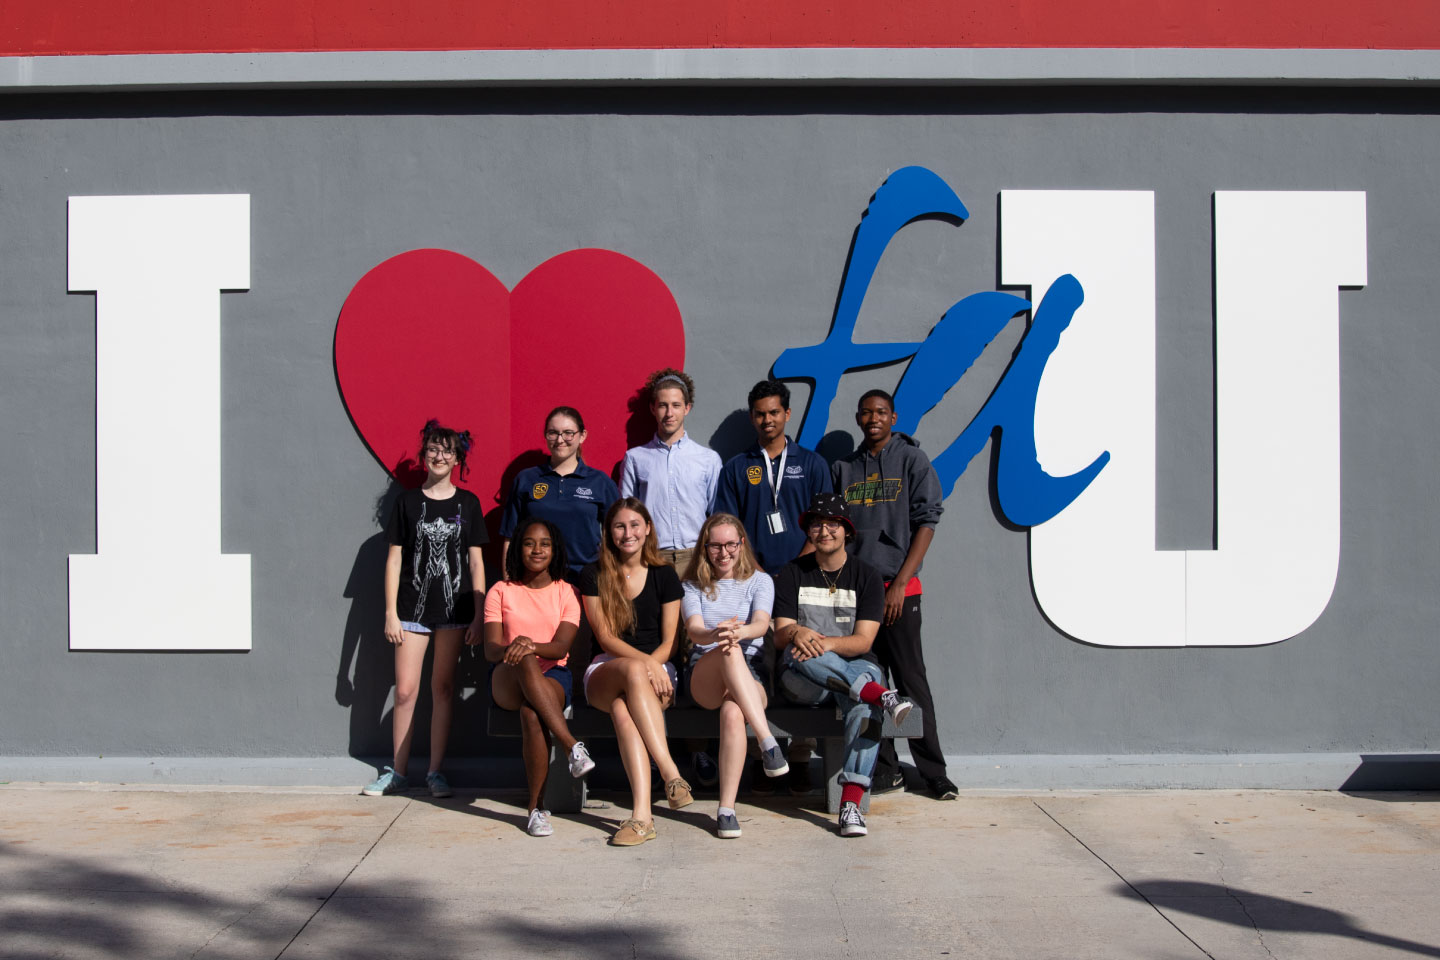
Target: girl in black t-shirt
[434,580]
[632,600]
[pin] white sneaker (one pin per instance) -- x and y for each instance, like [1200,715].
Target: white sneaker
[897,709]
[580,762]
[539,825]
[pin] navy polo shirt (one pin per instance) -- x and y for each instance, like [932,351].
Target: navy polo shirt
[575,503]
[744,490]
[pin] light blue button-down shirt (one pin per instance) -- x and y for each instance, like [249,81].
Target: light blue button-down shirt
[677,485]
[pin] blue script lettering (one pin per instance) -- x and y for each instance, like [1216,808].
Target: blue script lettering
[1028,495]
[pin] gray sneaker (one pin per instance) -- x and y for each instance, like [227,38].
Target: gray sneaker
[439,786]
[897,709]
[727,826]
[387,783]
[774,762]
[852,821]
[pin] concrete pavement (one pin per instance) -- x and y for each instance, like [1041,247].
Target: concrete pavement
[116,871]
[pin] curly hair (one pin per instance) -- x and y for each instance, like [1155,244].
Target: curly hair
[672,378]
[515,565]
[458,441]
[619,609]
[701,573]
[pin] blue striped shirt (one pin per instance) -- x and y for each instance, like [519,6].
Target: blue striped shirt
[733,598]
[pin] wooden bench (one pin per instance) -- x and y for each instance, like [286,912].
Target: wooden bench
[565,794]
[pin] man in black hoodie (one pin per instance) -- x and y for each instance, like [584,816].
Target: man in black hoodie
[895,502]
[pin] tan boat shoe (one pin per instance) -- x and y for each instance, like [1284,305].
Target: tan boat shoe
[632,833]
[677,793]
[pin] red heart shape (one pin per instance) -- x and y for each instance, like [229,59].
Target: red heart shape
[432,333]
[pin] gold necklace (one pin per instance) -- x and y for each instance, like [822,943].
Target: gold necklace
[832,584]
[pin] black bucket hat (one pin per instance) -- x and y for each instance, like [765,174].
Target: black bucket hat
[828,506]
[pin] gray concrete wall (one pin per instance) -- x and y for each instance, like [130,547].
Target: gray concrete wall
[744,202]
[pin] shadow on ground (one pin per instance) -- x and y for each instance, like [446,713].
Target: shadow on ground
[69,906]
[1262,912]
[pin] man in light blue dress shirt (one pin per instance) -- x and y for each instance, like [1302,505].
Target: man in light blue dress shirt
[673,475]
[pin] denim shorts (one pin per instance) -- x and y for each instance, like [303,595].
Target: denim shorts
[412,627]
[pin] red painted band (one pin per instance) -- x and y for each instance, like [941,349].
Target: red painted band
[75,27]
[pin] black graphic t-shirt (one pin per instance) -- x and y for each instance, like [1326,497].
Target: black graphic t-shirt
[435,537]
[830,604]
[662,585]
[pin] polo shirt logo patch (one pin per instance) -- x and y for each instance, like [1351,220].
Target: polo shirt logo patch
[794,471]
[583,492]
[753,475]
[538,491]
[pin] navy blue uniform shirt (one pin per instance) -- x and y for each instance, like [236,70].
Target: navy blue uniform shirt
[745,491]
[575,502]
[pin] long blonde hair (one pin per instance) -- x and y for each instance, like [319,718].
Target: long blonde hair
[701,573]
[618,608]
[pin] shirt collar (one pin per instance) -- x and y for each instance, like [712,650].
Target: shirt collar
[659,444]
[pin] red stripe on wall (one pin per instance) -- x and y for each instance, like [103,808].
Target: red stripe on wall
[57,27]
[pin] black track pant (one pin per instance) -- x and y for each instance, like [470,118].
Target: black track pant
[898,647]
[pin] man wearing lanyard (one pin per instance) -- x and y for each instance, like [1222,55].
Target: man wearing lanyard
[767,487]
[895,501]
[772,483]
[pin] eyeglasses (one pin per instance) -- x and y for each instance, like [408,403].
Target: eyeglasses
[439,453]
[730,546]
[566,435]
[826,524]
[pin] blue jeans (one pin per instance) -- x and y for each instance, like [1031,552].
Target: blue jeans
[814,681]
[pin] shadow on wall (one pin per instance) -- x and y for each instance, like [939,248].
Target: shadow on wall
[365,676]
[131,913]
[1395,771]
[1261,912]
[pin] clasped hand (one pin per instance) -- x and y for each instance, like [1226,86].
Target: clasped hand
[519,649]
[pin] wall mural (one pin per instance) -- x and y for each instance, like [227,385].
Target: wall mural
[1074,414]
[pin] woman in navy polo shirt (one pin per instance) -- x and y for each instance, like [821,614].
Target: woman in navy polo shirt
[569,493]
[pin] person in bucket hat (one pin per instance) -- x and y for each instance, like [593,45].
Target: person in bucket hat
[828,608]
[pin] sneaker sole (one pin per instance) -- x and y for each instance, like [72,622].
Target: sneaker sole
[728,834]
[778,771]
[898,717]
[854,831]
[584,769]
[443,794]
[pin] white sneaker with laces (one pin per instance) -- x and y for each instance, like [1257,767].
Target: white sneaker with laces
[897,709]
[580,762]
[539,825]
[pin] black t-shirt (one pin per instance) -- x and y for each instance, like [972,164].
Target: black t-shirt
[435,537]
[803,594]
[662,585]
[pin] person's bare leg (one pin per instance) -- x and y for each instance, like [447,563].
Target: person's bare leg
[636,761]
[442,692]
[535,747]
[742,687]
[409,663]
[547,699]
[732,752]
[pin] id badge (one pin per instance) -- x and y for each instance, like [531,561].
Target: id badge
[776,521]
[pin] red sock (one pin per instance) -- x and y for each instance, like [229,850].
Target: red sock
[870,693]
[852,793]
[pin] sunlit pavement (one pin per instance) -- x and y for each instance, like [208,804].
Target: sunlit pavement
[114,871]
